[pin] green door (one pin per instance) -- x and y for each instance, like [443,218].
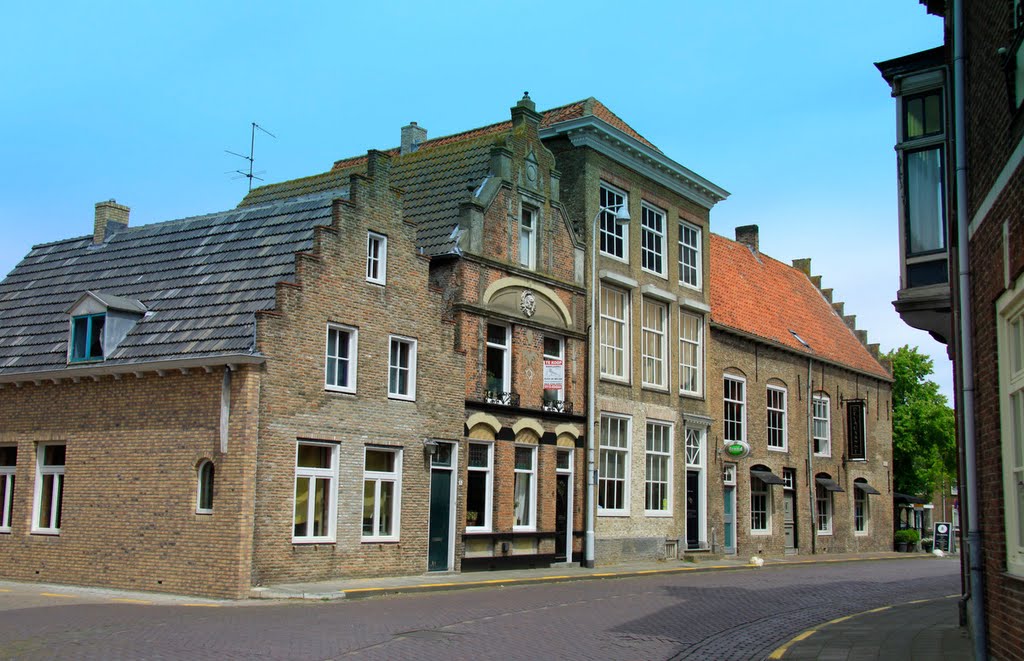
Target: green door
[440,519]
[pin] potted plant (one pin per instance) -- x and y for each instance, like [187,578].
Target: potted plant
[471,517]
[927,544]
[905,539]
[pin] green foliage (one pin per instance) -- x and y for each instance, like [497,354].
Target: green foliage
[906,536]
[923,426]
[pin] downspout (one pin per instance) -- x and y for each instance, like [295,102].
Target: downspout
[974,541]
[812,495]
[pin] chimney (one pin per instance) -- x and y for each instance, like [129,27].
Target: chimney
[747,235]
[412,136]
[111,217]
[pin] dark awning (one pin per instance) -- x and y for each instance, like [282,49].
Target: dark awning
[867,488]
[767,477]
[908,499]
[829,484]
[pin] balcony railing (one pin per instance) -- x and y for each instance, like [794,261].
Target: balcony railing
[501,398]
[557,406]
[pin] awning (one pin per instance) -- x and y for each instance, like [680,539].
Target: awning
[867,488]
[829,484]
[767,477]
[902,498]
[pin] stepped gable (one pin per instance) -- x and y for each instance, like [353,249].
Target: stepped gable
[760,296]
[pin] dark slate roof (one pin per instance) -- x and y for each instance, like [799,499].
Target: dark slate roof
[201,280]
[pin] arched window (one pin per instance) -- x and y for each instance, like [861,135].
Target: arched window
[824,486]
[204,491]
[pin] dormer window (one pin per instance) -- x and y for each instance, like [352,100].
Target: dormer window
[98,324]
[87,337]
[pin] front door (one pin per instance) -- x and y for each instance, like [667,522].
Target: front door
[439,547]
[563,507]
[693,506]
[789,520]
[729,496]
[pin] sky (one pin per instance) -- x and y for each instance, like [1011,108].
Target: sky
[777,102]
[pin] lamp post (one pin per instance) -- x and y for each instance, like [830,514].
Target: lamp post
[621,218]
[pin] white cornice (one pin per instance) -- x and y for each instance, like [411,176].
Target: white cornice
[117,370]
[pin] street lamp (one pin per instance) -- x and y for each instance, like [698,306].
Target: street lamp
[621,218]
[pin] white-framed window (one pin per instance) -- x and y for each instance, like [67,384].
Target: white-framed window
[776,406]
[8,466]
[822,425]
[316,492]
[652,239]
[655,322]
[614,237]
[690,266]
[735,399]
[479,487]
[823,504]
[382,494]
[861,511]
[499,361]
[554,373]
[402,368]
[525,488]
[789,479]
[49,492]
[658,478]
[341,362]
[528,238]
[204,487]
[376,258]
[614,333]
[691,354]
[613,465]
[1010,357]
[760,507]
[729,474]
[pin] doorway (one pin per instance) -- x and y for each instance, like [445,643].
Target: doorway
[563,505]
[693,506]
[729,500]
[441,546]
[789,509]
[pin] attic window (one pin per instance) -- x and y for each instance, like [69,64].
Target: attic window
[87,337]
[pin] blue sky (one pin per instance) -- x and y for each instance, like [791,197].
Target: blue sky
[778,103]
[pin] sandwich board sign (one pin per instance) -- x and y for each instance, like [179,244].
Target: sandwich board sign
[943,536]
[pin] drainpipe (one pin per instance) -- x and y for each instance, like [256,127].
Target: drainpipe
[974,541]
[812,495]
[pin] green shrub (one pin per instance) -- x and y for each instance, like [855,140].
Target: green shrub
[906,536]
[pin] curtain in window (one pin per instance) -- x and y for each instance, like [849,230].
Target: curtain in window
[924,201]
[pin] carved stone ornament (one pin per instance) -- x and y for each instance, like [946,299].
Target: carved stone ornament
[527,303]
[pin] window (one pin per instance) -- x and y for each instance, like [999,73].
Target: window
[340,372]
[691,354]
[613,466]
[652,240]
[316,492]
[528,238]
[776,418]
[614,237]
[8,463]
[856,442]
[402,368]
[690,267]
[499,357]
[822,426]
[382,488]
[525,489]
[789,479]
[479,487]
[49,489]
[654,345]
[614,333]
[860,508]
[376,258]
[554,374]
[1010,357]
[204,488]
[658,483]
[823,505]
[87,337]
[735,409]
[729,474]
[760,506]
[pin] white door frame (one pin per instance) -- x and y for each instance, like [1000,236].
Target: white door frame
[570,519]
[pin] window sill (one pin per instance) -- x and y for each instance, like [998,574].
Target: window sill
[402,398]
[760,533]
[204,512]
[624,260]
[47,533]
[316,540]
[618,380]
[663,276]
[861,534]
[658,514]
[379,540]
[691,395]
[823,456]
[380,283]
[5,531]
[478,531]
[338,389]
[613,513]
[771,449]
[653,387]
[824,534]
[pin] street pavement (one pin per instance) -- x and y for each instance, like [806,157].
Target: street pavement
[745,613]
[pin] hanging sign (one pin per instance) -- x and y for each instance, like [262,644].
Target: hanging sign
[737,449]
[554,374]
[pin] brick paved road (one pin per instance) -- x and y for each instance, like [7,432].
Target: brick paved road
[741,614]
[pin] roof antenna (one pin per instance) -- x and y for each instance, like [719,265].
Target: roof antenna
[250,175]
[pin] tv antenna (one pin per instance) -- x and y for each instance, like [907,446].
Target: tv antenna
[250,175]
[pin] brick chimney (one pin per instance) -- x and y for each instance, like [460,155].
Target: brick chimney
[747,235]
[111,217]
[412,136]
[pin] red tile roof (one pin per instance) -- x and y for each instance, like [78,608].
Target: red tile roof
[763,297]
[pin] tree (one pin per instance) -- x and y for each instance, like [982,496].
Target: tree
[923,426]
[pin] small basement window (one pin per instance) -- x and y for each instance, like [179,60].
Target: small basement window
[87,337]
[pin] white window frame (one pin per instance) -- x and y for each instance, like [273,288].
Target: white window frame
[661,456]
[694,345]
[652,231]
[822,509]
[56,490]
[201,480]
[766,493]
[861,520]
[528,237]
[1010,357]
[506,359]
[376,264]
[622,456]
[611,196]
[690,275]
[410,394]
[559,392]
[353,348]
[821,408]
[488,486]
[531,472]
[378,478]
[779,411]
[7,480]
[329,474]
[654,346]
[740,406]
[608,322]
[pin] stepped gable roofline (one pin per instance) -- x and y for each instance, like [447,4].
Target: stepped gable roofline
[760,297]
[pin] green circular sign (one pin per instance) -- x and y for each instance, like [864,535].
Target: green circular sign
[736,449]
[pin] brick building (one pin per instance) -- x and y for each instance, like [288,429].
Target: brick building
[793,382]
[960,143]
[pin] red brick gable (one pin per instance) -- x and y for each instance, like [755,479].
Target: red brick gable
[762,296]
